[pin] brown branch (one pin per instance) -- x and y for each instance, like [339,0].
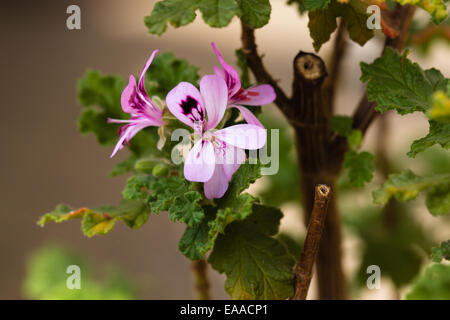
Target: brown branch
[255,63]
[201,282]
[334,67]
[402,18]
[304,267]
[365,112]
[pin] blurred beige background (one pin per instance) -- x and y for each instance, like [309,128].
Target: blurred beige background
[45,161]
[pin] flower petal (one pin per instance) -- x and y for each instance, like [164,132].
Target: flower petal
[244,136]
[231,76]
[141,85]
[186,104]
[248,115]
[233,159]
[200,162]
[218,71]
[128,131]
[255,96]
[135,104]
[215,95]
[217,185]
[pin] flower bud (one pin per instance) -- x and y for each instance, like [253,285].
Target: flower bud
[160,170]
[145,165]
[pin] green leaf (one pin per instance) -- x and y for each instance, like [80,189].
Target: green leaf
[394,82]
[234,205]
[46,278]
[354,139]
[312,5]
[360,166]
[255,13]
[137,187]
[434,7]
[241,180]
[238,209]
[100,95]
[186,209]
[293,246]
[178,196]
[433,284]
[322,22]
[257,266]
[438,200]
[167,71]
[300,5]
[435,160]
[441,252]
[176,12]
[218,13]
[101,220]
[197,240]
[439,134]
[395,245]
[440,110]
[342,125]
[406,186]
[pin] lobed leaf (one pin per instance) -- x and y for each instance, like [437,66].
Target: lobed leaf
[178,196]
[255,13]
[176,12]
[360,167]
[436,8]
[167,71]
[441,252]
[216,13]
[300,4]
[394,82]
[100,95]
[433,284]
[312,5]
[396,246]
[322,22]
[440,110]
[406,186]
[101,220]
[197,240]
[439,133]
[257,266]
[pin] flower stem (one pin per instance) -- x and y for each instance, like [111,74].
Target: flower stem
[201,281]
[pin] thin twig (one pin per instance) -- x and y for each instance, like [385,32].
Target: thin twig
[255,63]
[304,267]
[365,112]
[201,281]
[334,65]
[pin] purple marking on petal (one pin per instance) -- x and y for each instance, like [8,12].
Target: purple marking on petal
[190,108]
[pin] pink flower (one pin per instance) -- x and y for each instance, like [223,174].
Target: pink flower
[237,96]
[143,111]
[217,155]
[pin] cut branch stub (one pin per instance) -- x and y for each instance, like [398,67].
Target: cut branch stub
[309,67]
